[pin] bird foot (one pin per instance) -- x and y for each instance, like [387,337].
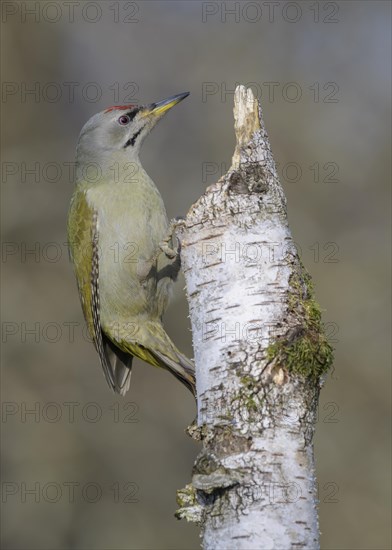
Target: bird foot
[146,266]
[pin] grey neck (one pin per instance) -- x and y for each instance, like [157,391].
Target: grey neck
[109,167]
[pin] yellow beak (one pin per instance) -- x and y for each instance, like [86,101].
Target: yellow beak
[158,109]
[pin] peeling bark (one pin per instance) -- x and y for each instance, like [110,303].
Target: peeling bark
[260,356]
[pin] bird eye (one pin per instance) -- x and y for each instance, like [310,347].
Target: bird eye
[123,120]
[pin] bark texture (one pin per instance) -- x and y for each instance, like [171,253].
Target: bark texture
[260,355]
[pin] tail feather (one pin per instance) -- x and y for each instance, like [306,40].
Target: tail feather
[183,369]
[120,363]
[154,346]
[168,356]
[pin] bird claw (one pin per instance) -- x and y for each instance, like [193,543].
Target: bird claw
[163,246]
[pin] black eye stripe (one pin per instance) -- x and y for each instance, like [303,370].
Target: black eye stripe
[126,118]
[132,114]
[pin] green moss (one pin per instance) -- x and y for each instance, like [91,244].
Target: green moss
[305,349]
[251,404]
[247,381]
[186,496]
[189,509]
[248,394]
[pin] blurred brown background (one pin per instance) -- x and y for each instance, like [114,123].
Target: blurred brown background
[323,72]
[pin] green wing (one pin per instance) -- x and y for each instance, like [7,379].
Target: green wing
[83,245]
[80,237]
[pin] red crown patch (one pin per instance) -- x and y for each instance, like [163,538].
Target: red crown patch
[119,108]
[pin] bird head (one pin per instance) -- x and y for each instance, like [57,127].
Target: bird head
[122,128]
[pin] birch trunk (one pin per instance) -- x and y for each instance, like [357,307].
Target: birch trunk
[260,355]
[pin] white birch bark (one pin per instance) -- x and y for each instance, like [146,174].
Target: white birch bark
[259,354]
